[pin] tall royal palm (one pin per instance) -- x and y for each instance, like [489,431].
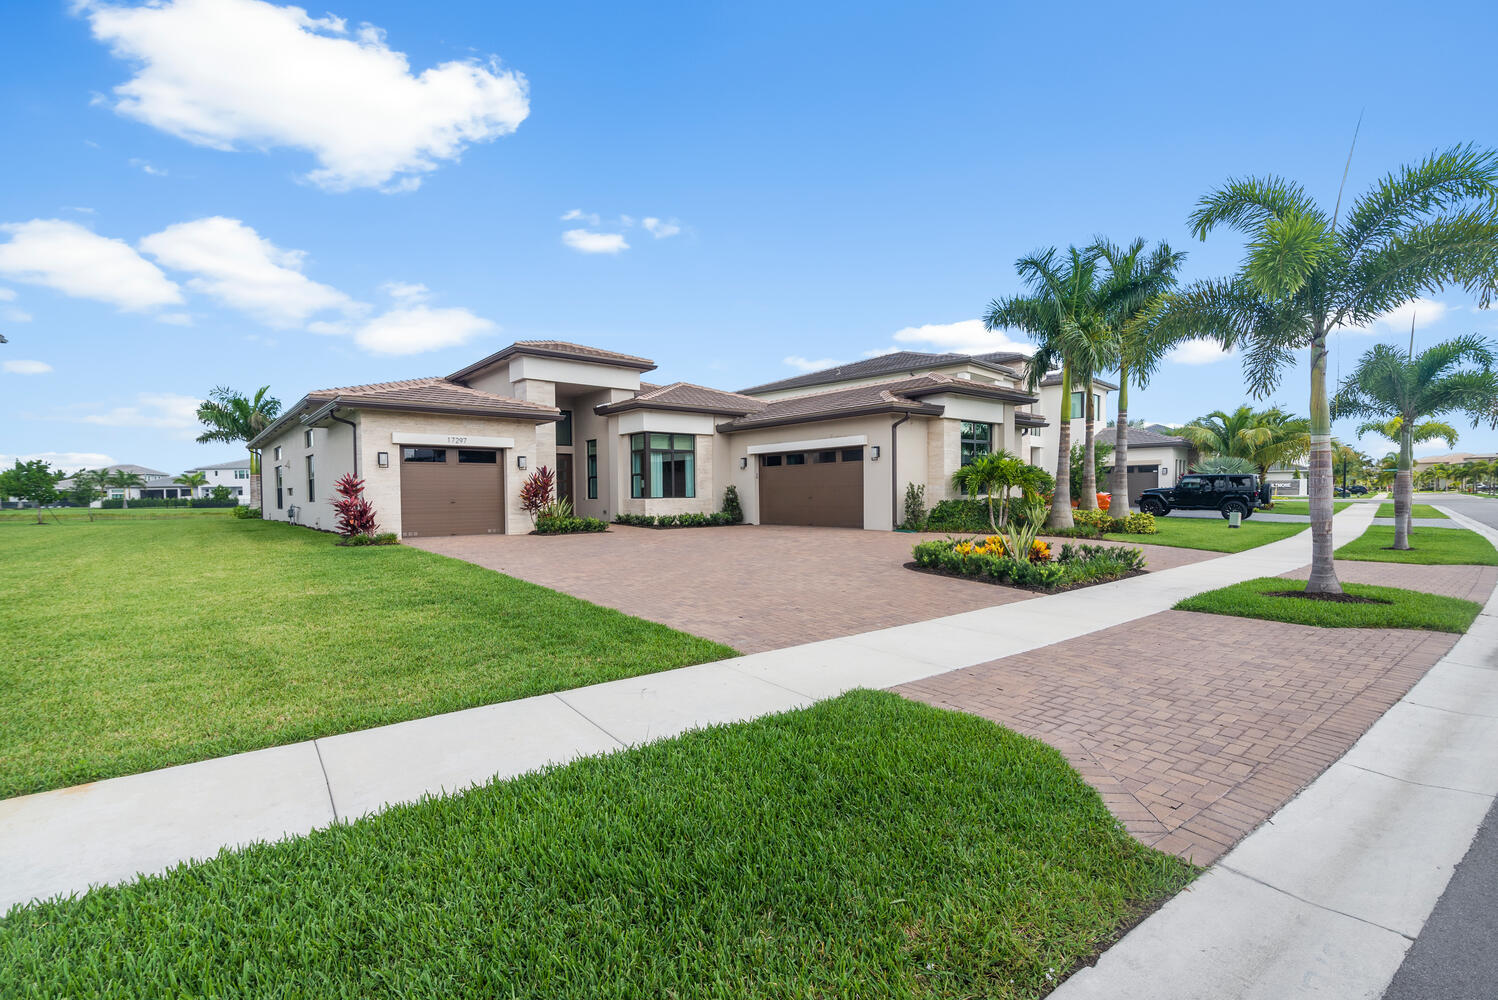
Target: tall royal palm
[231,416]
[1307,272]
[1454,376]
[1136,284]
[1060,314]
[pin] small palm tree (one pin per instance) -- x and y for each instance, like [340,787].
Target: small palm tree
[997,472]
[1404,389]
[124,482]
[1307,272]
[231,416]
[1264,438]
[192,480]
[1131,297]
[1060,314]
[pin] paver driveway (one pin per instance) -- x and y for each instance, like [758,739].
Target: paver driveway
[752,587]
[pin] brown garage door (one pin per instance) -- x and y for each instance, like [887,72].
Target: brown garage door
[1141,478]
[823,488]
[451,491]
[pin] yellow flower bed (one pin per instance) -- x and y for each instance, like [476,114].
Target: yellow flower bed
[994,545]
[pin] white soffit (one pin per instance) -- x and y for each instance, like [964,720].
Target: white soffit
[838,442]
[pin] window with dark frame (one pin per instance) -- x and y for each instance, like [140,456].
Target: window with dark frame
[852,454]
[662,465]
[564,429]
[823,457]
[424,454]
[280,490]
[977,440]
[466,457]
[311,482]
[770,460]
[795,460]
[592,470]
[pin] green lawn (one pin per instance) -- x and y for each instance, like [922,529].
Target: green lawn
[1419,510]
[1409,608]
[1213,533]
[863,847]
[1429,546]
[1304,507]
[70,514]
[134,644]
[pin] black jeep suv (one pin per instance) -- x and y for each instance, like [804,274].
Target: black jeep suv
[1198,491]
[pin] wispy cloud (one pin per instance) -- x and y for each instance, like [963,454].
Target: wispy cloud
[660,230]
[1198,352]
[19,367]
[166,411]
[67,460]
[587,241]
[146,166]
[799,363]
[962,337]
[78,262]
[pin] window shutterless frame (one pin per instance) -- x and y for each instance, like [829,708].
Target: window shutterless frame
[662,465]
[592,470]
[311,480]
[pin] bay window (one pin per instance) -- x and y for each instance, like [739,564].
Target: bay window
[662,465]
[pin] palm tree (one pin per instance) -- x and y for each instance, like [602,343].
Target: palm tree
[1401,463]
[1307,272]
[1401,386]
[1131,295]
[230,416]
[1265,438]
[192,480]
[997,471]
[124,482]
[1061,317]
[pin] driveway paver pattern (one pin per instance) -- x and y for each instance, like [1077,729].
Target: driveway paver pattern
[1195,728]
[752,587]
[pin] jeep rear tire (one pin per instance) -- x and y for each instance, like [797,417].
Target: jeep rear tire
[1229,506]
[1153,505]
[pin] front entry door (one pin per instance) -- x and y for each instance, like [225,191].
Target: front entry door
[564,477]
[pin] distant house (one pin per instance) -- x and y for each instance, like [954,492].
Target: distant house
[158,485]
[235,475]
[1155,458]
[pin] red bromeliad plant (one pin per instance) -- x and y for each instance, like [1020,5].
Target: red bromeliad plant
[536,492]
[355,514]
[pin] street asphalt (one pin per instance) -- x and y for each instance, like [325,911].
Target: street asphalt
[1454,958]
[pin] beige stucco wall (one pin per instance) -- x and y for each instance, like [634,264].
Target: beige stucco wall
[332,454]
[1050,407]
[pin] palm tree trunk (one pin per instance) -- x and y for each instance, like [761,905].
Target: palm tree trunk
[1060,515]
[1323,578]
[1118,483]
[1089,452]
[1404,485]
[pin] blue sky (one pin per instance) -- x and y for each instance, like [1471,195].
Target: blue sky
[229,192]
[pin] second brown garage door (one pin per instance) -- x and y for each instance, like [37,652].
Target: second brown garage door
[451,491]
[821,488]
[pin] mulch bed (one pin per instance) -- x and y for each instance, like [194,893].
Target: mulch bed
[935,571]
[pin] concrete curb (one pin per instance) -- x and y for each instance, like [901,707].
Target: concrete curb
[69,839]
[1326,897]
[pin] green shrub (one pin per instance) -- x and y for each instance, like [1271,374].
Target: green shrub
[1073,566]
[383,538]
[963,514]
[1142,523]
[143,504]
[1099,519]
[241,511]
[915,507]
[557,525]
[677,520]
[732,509]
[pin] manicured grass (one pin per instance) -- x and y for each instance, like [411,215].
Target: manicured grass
[132,645]
[1213,533]
[1408,608]
[1428,546]
[1304,507]
[1417,510]
[69,514]
[863,847]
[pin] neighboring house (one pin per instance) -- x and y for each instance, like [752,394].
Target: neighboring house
[154,480]
[1155,459]
[444,456]
[1452,458]
[159,485]
[235,475]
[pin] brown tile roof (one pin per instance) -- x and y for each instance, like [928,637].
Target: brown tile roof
[1140,437]
[895,363]
[1054,378]
[685,396]
[898,395]
[1031,420]
[557,349]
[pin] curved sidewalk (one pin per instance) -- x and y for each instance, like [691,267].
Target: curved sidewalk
[66,840]
[1327,896]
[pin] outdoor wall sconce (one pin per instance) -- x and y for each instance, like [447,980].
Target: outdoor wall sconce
[743,463]
[874,453]
[520,462]
[382,459]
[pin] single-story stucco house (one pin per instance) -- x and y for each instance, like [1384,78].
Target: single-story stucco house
[1155,459]
[445,456]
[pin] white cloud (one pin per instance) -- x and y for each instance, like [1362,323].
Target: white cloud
[808,365]
[1423,312]
[239,268]
[880,352]
[585,241]
[68,460]
[77,262]
[7,294]
[405,291]
[414,330]
[81,209]
[25,367]
[963,337]
[246,73]
[1198,352]
[145,166]
[167,411]
[578,215]
[660,230]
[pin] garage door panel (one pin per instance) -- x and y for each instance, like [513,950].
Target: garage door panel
[821,494]
[452,497]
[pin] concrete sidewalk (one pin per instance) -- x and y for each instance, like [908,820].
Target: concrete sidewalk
[1326,897]
[66,840]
